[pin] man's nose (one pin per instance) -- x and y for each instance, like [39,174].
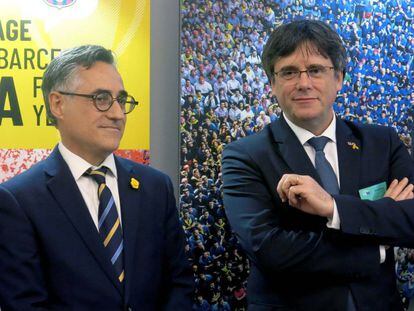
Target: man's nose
[304,80]
[116,111]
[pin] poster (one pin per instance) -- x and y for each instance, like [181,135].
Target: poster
[32,33]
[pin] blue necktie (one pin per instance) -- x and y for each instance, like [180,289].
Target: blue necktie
[329,183]
[109,225]
[324,169]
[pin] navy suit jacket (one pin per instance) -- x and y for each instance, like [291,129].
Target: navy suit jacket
[51,255]
[297,263]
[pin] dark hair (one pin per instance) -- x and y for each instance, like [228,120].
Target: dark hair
[286,38]
[62,70]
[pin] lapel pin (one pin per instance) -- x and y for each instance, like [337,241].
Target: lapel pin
[134,183]
[353,145]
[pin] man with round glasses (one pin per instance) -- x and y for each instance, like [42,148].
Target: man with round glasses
[84,229]
[317,202]
[103,100]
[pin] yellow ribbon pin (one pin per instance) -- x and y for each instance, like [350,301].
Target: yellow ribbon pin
[134,183]
[353,145]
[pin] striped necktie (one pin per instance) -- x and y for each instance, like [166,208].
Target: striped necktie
[109,225]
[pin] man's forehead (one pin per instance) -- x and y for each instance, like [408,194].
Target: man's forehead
[306,52]
[99,75]
[96,68]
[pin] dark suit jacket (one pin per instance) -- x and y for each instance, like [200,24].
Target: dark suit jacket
[51,256]
[297,262]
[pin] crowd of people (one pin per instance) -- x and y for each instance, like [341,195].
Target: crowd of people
[225,95]
[16,161]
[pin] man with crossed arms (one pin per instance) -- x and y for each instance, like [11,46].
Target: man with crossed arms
[304,196]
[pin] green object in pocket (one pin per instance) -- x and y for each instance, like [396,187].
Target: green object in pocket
[374,192]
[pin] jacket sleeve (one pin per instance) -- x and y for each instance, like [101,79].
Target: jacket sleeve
[386,221]
[256,218]
[22,285]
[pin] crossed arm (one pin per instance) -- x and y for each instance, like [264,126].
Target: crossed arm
[390,219]
[263,225]
[305,194]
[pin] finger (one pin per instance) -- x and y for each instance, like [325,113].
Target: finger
[288,182]
[399,188]
[294,180]
[405,193]
[294,198]
[391,188]
[279,188]
[402,184]
[285,183]
[297,193]
[282,189]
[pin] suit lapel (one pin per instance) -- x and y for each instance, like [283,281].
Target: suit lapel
[67,194]
[130,194]
[349,158]
[291,150]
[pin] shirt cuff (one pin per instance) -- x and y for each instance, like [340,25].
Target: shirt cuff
[334,222]
[383,254]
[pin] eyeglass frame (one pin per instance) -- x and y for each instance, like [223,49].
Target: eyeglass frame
[93,97]
[298,73]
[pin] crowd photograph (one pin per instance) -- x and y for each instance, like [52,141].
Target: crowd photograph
[226,95]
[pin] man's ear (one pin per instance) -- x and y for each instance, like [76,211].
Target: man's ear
[340,77]
[56,104]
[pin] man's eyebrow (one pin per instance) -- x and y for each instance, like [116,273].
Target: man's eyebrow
[316,65]
[293,67]
[288,67]
[97,91]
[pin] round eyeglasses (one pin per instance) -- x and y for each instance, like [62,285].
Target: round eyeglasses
[103,100]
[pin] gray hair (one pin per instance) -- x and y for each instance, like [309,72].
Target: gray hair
[62,69]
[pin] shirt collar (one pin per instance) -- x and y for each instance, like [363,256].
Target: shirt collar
[304,135]
[78,166]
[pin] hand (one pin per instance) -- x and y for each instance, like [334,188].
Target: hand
[400,190]
[305,194]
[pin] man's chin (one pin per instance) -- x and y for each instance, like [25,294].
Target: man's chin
[305,116]
[110,148]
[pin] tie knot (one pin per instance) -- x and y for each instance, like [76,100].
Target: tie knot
[318,143]
[98,175]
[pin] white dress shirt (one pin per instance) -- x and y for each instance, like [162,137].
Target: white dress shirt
[331,154]
[330,150]
[87,186]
